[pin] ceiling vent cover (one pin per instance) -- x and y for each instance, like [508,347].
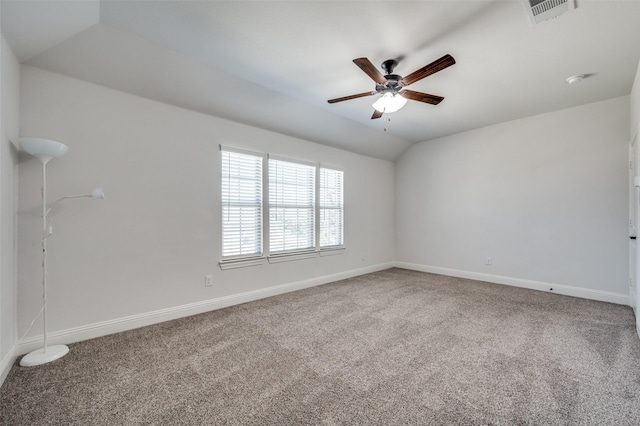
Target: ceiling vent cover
[542,10]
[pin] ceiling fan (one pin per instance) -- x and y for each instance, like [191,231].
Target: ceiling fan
[392,86]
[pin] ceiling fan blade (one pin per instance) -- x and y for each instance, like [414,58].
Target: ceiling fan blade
[370,69]
[376,114]
[427,70]
[346,98]
[422,97]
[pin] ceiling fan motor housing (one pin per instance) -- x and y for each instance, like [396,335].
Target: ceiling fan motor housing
[394,84]
[389,65]
[394,81]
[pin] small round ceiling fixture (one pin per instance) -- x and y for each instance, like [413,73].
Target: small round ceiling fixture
[575,78]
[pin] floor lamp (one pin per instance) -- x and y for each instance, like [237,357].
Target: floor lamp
[45,150]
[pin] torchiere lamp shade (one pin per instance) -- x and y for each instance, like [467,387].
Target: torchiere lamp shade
[43,149]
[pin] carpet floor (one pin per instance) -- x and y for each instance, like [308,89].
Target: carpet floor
[395,347]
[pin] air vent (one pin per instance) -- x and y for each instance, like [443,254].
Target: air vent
[542,10]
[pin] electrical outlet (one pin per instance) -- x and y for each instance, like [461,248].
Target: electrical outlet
[488,261]
[208,280]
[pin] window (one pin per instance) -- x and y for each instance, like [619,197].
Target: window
[291,206]
[331,208]
[300,204]
[241,204]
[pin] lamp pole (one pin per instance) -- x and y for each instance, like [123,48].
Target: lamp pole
[44,254]
[45,150]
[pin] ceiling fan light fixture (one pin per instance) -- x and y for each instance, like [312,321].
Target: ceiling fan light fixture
[390,102]
[575,78]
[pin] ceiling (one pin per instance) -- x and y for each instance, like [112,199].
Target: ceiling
[274,64]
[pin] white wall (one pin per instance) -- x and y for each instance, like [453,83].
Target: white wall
[634,132]
[149,245]
[9,124]
[545,197]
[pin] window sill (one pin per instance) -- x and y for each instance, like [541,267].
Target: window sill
[291,256]
[278,258]
[332,251]
[241,263]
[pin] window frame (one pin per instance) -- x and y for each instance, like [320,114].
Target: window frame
[269,205]
[255,258]
[229,262]
[319,208]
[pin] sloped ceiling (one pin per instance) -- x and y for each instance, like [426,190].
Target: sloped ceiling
[274,64]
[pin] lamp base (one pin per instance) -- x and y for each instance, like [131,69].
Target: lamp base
[39,356]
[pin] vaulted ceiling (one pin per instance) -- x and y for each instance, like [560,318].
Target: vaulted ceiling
[274,64]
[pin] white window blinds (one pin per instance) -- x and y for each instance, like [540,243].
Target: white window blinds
[241,204]
[331,208]
[291,206]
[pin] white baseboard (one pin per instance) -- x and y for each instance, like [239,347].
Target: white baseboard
[585,293]
[117,325]
[131,322]
[6,364]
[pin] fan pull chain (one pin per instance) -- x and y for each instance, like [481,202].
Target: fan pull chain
[389,120]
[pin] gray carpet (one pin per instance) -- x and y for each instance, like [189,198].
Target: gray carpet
[395,347]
